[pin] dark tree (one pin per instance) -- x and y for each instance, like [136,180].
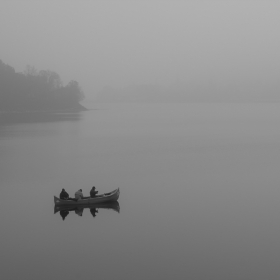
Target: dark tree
[36,91]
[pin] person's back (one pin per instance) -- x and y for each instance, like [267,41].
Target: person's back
[63,194]
[79,194]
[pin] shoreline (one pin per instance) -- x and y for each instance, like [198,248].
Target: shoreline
[76,109]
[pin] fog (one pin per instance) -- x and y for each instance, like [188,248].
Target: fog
[206,48]
[199,183]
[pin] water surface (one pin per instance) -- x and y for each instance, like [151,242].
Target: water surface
[199,193]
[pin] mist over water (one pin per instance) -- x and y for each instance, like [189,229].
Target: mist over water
[199,50]
[199,189]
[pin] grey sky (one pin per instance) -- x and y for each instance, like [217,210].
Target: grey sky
[119,43]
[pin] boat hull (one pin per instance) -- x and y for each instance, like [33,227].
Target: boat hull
[107,197]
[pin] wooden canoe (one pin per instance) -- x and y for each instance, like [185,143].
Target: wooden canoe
[106,197]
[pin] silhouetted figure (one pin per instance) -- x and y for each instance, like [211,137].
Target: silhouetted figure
[79,211]
[64,194]
[93,192]
[79,194]
[93,211]
[63,214]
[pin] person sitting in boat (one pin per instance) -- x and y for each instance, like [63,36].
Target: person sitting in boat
[79,194]
[93,192]
[64,195]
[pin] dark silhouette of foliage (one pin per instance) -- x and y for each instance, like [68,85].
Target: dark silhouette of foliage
[36,91]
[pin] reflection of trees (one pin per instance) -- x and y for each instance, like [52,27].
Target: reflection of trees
[36,91]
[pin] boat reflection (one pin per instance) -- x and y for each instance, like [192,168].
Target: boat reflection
[66,209]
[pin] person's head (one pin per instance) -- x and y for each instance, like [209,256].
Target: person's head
[93,187]
[81,190]
[63,190]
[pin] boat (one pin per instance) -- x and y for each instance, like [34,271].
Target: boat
[106,197]
[114,205]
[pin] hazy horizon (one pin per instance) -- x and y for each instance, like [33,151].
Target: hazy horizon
[118,44]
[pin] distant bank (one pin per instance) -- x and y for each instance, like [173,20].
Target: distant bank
[37,91]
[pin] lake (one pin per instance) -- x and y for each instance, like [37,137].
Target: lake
[199,192]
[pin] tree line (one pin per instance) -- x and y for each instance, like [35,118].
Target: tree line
[35,90]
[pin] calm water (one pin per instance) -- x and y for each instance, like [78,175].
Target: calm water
[199,193]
